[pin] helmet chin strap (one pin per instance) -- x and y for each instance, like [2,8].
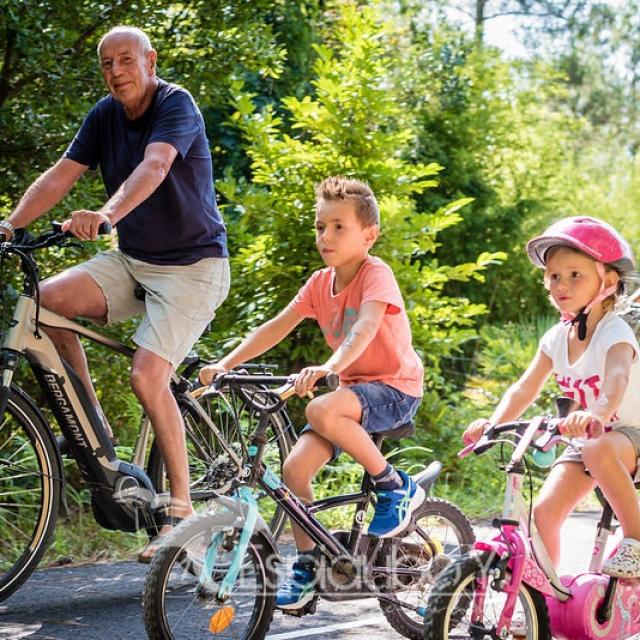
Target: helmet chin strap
[580,318]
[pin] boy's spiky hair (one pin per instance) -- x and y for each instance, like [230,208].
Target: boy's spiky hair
[337,188]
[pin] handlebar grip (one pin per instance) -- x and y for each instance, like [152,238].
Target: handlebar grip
[103,230]
[332,381]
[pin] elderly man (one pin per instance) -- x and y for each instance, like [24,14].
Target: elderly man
[148,138]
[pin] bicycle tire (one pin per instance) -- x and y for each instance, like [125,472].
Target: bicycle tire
[172,607]
[446,535]
[446,615]
[30,488]
[235,422]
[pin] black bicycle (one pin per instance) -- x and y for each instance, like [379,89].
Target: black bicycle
[123,496]
[216,572]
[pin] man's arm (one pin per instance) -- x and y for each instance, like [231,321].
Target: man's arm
[46,191]
[142,182]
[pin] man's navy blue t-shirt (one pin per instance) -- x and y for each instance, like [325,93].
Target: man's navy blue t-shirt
[179,223]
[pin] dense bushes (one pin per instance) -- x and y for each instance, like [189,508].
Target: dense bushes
[469,153]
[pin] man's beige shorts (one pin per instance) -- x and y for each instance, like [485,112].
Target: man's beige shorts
[180,300]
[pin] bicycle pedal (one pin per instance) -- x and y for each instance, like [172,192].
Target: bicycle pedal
[308,609]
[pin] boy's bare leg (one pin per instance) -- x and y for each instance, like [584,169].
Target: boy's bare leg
[336,417]
[565,485]
[308,456]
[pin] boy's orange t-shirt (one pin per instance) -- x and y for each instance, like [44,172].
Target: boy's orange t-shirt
[389,357]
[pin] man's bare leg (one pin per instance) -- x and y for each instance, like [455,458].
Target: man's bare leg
[72,294]
[150,376]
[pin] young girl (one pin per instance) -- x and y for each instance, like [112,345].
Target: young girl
[593,355]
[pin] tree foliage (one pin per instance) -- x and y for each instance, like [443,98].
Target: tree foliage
[351,125]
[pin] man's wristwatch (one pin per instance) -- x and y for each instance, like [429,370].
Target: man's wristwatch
[5,224]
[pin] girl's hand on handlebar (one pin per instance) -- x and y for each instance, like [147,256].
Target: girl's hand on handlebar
[208,374]
[307,378]
[84,224]
[579,424]
[475,430]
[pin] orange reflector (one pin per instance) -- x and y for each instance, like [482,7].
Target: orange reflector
[221,619]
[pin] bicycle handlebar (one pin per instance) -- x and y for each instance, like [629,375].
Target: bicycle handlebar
[550,426]
[285,389]
[48,239]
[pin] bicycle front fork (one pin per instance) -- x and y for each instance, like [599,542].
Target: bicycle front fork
[8,365]
[249,509]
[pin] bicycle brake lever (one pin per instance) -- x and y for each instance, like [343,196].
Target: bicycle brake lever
[463,453]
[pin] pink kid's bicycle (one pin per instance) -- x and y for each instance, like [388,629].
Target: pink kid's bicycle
[507,586]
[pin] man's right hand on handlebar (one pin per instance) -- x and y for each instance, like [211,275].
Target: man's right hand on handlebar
[85,224]
[6,231]
[475,430]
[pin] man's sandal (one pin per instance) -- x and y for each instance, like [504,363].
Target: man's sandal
[146,555]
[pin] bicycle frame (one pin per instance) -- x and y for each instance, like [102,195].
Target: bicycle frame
[77,417]
[518,540]
[257,473]
[79,422]
[580,607]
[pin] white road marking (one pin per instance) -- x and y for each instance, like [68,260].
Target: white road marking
[15,631]
[316,631]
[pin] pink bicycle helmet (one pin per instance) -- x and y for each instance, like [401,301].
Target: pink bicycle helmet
[594,237]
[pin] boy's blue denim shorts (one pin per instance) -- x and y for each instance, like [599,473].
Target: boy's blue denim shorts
[383,408]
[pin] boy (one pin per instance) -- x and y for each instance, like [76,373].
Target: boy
[358,305]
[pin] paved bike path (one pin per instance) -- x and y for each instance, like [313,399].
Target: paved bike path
[103,602]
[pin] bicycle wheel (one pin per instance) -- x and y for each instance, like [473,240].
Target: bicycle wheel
[457,608]
[29,491]
[442,535]
[176,607]
[209,467]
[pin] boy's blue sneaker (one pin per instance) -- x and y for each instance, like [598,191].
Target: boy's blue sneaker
[299,588]
[395,507]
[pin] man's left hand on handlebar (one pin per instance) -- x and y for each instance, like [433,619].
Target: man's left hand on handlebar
[84,224]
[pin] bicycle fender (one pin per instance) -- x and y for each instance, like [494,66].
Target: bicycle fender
[426,479]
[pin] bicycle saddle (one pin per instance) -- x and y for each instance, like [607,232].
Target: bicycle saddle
[403,431]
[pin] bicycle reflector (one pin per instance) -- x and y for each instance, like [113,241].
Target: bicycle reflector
[221,619]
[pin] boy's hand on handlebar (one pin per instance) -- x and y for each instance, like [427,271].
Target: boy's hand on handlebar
[84,224]
[475,430]
[208,374]
[579,424]
[307,378]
